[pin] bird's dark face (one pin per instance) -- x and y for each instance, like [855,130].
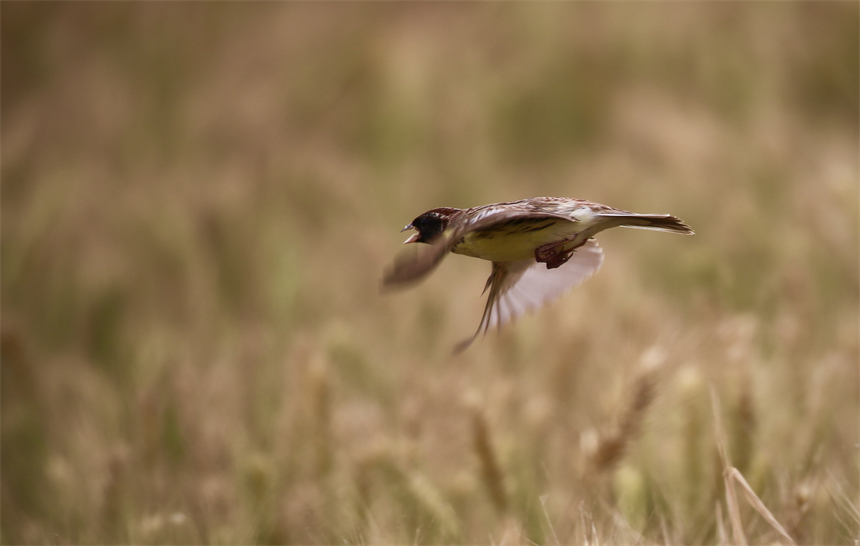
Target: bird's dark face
[430,225]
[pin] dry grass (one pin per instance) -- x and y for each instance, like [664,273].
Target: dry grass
[198,201]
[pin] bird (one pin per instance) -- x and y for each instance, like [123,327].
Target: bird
[539,248]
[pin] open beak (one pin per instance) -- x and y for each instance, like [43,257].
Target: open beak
[412,238]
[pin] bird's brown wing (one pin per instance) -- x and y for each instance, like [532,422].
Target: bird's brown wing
[486,216]
[416,262]
[518,287]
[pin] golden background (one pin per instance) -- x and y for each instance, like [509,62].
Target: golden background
[199,200]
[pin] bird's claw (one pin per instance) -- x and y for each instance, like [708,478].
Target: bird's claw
[554,254]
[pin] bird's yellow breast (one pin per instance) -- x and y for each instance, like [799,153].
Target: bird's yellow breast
[514,240]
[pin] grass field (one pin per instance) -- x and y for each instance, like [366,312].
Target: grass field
[199,200]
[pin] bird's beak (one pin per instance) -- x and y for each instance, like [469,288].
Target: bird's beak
[412,238]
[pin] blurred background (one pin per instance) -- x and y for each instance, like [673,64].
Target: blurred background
[199,200]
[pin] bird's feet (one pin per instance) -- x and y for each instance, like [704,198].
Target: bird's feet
[554,254]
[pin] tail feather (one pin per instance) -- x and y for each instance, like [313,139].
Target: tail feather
[656,222]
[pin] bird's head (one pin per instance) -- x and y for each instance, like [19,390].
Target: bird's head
[430,225]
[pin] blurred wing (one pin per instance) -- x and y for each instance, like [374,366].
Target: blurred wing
[416,262]
[536,285]
[517,287]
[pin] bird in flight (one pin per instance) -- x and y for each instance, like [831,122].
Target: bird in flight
[539,247]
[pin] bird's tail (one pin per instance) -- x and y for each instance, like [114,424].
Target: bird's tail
[656,222]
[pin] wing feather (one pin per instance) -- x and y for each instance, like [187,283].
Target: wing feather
[535,285]
[519,287]
[415,263]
